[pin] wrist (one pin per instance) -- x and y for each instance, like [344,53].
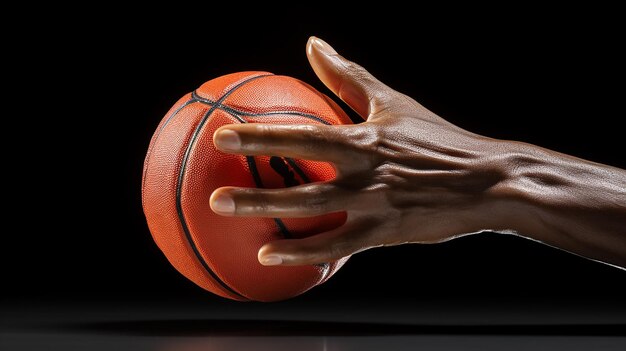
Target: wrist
[516,200]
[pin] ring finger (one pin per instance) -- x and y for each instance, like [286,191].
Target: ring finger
[299,201]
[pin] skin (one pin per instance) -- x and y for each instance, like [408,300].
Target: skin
[407,175]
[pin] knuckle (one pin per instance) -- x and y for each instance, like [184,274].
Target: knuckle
[367,142]
[382,185]
[265,131]
[316,204]
[260,202]
[376,192]
[262,128]
[312,138]
[314,133]
[360,74]
[316,199]
[387,173]
[353,68]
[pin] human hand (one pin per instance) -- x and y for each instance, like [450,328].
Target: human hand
[404,176]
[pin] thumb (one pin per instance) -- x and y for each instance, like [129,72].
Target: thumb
[350,82]
[321,248]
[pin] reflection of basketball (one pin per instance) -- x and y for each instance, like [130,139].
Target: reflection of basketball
[183,167]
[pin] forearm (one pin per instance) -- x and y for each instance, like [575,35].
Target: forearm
[566,202]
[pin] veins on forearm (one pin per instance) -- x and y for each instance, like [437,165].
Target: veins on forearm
[559,180]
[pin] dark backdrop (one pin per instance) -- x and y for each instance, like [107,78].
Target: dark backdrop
[91,91]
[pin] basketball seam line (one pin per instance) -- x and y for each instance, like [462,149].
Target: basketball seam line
[156,138]
[181,175]
[234,111]
[298,170]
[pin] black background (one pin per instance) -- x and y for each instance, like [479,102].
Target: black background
[92,89]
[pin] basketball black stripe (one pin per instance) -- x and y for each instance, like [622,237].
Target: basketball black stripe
[181,175]
[235,112]
[158,133]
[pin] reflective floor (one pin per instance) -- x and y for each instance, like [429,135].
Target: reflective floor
[68,341]
[285,327]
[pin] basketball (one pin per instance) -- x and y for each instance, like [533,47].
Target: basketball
[182,168]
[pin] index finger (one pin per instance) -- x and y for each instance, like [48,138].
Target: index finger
[304,141]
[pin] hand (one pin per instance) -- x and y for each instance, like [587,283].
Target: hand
[403,176]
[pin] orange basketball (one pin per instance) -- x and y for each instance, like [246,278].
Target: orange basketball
[182,168]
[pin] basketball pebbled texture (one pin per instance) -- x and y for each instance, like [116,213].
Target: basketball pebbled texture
[182,168]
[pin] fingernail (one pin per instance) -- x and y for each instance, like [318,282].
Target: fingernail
[322,46]
[223,204]
[271,260]
[228,140]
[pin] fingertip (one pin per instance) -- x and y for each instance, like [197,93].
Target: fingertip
[227,139]
[315,43]
[222,203]
[267,258]
[271,260]
[309,45]
[323,59]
